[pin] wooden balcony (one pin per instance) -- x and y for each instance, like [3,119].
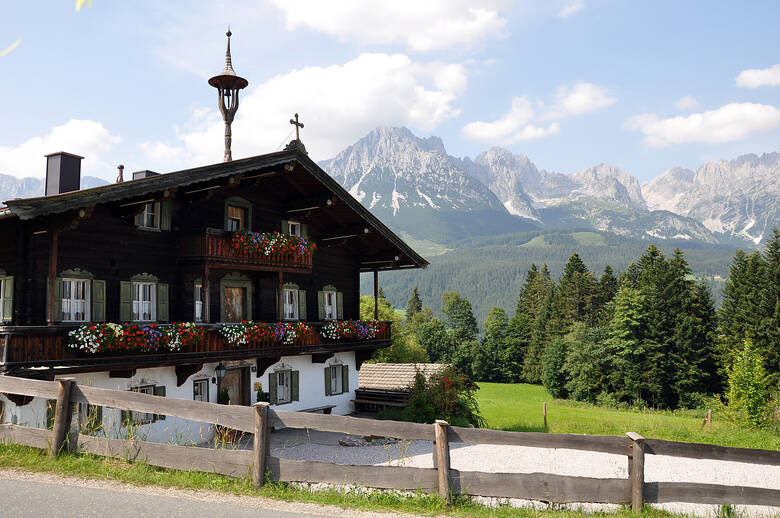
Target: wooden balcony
[38,351]
[215,247]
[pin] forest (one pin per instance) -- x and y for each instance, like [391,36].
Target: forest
[647,336]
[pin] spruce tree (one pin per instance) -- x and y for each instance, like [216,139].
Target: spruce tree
[517,341]
[414,305]
[460,316]
[625,345]
[532,363]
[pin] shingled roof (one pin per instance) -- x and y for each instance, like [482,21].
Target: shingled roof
[395,376]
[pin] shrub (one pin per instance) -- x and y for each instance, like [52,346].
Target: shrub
[747,395]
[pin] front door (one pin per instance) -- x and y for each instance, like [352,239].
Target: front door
[236,382]
[235,304]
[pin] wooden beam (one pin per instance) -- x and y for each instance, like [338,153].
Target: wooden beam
[62,415]
[122,373]
[442,460]
[280,297]
[320,357]
[264,363]
[260,444]
[53,254]
[376,295]
[637,472]
[183,372]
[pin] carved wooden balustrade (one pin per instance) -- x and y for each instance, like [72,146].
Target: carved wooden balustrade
[216,247]
[45,350]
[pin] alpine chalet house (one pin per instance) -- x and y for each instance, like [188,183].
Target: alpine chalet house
[225,283]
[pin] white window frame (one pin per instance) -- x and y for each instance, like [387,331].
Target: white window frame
[198,295]
[336,379]
[283,387]
[154,214]
[290,306]
[294,227]
[204,390]
[331,308]
[142,417]
[138,305]
[72,305]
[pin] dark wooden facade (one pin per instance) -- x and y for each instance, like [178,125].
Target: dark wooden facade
[95,231]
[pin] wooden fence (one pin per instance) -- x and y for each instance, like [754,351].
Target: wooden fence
[444,480]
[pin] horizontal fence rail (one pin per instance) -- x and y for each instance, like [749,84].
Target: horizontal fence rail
[257,462]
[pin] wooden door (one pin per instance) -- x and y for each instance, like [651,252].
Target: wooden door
[235,304]
[236,382]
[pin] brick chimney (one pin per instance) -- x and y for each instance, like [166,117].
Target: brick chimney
[63,173]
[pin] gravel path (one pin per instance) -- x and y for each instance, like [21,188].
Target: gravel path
[324,446]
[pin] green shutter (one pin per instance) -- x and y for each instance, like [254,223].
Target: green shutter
[294,390]
[340,305]
[57,298]
[159,391]
[304,230]
[272,386]
[8,297]
[327,381]
[139,218]
[98,301]
[301,304]
[162,302]
[321,305]
[166,208]
[285,226]
[345,378]
[125,301]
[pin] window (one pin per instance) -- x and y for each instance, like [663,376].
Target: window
[336,379]
[142,417]
[150,216]
[200,390]
[75,300]
[295,228]
[284,387]
[330,305]
[236,218]
[198,302]
[144,298]
[290,304]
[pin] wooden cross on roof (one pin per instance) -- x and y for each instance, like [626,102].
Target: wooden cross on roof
[298,126]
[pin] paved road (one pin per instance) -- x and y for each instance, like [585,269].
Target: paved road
[29,498]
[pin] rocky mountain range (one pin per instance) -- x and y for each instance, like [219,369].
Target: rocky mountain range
[422,191]
[12,187]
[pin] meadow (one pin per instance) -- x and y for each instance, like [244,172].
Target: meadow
[518,407]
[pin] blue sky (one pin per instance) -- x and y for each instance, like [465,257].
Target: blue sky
[571,83]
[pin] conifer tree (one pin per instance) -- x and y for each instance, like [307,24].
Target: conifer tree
[518,338]
[532,363]
[625,345]
[487,361]
[414,305]
[460,316]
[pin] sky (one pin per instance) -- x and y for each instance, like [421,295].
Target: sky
[644,86]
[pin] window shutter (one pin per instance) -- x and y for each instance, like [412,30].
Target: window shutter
[304,230]
[327,381]
[166,208]
[321,306]
[344,378]
[57,299]
[8,297]
[159,391]
[301,304]
[125,301]
[279,306]
[294,379]
[340,305]
[162,302]
[98,301]
[139,218]
[285,226]
[272,386]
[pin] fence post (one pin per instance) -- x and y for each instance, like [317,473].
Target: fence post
[544,410]
[637,472]
[260,446]
[63,413]
[442,459]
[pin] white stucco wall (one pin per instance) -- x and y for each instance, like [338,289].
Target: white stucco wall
[182,431]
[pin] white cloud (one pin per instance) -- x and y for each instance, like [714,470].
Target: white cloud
[81,137]
[687,103]
[420,26]
[338,104]
[753,78]
[581,98]
[728,123]
[512,127]
[571,8]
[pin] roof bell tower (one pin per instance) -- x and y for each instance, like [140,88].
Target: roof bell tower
[228,84]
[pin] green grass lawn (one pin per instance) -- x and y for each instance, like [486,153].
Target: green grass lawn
[518,407]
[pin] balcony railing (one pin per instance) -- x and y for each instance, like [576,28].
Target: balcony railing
[216,246]
[32,349]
